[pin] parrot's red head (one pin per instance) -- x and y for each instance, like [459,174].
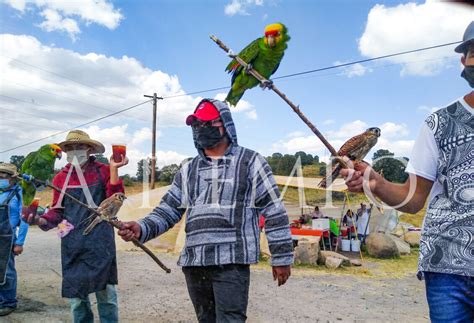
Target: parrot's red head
[275,34]
[56,151]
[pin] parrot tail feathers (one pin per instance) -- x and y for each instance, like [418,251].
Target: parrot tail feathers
[233,98]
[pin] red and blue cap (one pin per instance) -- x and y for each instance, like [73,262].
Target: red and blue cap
[205,111]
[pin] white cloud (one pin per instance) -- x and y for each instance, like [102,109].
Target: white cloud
[393,130]
[54,21]
[328,122]
[16,4]
[411,26]
[353,70]
[36,103]
[64,15]
[123,135]
[295,134]
[239,7]
[242,107]
[310,144]
[348,130]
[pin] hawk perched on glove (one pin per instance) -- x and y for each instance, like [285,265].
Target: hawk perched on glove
[355,149]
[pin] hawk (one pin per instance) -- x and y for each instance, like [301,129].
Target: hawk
[355,149]
[108,210]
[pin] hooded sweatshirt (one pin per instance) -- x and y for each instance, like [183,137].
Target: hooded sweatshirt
[222,199]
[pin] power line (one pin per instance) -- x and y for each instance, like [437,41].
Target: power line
[78,126]
[29,123]
[365,60]
[61,96]
[226,87]
[61,76]
[38,104]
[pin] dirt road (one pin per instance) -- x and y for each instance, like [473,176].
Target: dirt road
[147,294]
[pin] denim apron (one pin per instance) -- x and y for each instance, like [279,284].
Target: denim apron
[89,262]
[6,235]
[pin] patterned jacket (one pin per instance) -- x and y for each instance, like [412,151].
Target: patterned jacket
[222,199]
[446,244]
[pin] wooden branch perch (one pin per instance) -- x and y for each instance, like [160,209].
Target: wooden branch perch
[272,86]
[115,224]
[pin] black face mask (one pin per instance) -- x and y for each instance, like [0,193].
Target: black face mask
[207,137]
[468,74]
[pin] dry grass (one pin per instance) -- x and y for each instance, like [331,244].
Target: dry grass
[46,196]
[314,196]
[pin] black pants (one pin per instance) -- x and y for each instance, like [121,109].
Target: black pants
[219,293]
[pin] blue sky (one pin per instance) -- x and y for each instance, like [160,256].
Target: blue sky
[120,50]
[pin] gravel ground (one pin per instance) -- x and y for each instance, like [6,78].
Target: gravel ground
[147,294]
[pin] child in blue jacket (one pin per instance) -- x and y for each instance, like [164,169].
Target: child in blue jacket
[12,241]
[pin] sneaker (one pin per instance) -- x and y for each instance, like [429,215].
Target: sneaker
[6,310]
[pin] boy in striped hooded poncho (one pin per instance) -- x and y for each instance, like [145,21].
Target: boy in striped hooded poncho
[222,190]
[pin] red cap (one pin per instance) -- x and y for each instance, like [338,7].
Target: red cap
[205,111]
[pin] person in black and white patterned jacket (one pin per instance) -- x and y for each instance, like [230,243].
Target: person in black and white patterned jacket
[223,190]
[441,166]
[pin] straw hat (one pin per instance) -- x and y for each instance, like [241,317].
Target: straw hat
[9,169]
[81,137]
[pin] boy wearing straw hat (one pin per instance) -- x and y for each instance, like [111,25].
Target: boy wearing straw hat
[89,263]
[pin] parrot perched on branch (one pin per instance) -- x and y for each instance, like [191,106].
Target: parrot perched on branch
[264,55]
[39,164]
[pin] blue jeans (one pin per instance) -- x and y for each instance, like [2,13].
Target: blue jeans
[106,305]
[8,290]
[450,297]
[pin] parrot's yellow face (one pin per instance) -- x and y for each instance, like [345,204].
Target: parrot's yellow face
[56,151]
[273,34]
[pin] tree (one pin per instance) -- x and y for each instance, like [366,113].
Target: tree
[322,170]
[277,155]
[285,165]
[140,170]
[305,159]
[101,159]
[167,173]
[17,160]
[391,168]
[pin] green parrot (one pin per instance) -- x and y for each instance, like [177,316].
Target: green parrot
[264,55]
[39,164]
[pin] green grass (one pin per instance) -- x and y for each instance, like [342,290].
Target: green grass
[372,267]
[314,196]
[415,219]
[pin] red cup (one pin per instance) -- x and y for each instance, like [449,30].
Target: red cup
[118,151]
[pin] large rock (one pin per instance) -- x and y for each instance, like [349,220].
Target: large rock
[306,253]
[401,229]
[403,247]
[323,255]
[380,245]
[412,238]
[333,262]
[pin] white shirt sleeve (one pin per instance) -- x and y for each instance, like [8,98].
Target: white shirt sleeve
[424,157]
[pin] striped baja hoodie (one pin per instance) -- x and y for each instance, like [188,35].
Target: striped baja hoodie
[222,199]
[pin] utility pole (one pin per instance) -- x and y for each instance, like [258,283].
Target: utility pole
[153,143]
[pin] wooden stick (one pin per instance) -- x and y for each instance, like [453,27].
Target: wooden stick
[269,84]
[115,224]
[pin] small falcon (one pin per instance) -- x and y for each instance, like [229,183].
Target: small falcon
[108,210]
[355,149]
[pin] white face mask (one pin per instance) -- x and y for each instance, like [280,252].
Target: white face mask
[78,157]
